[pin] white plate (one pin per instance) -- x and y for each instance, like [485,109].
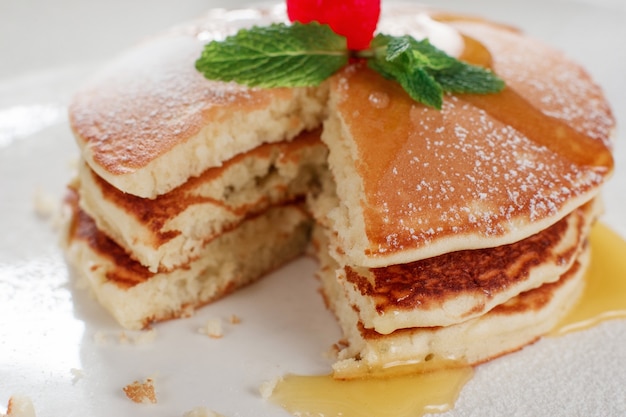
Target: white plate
[50,331]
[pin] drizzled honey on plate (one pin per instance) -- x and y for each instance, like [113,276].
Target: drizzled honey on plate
[401,396]
[605,284]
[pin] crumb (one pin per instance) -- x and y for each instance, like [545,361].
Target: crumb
[45,204]
[77,374]
[100,338]
[235,319]
[145,337]
[20,406]
[267,388]
[141,337]
[141,392]
[125,337]
[49,208]
[201,412]
[212,328]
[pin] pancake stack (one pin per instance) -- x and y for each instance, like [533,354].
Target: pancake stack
[445,237]
[187,189]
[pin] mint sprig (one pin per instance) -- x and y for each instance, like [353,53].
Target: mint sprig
[300,55]
[426,72]
[275,56]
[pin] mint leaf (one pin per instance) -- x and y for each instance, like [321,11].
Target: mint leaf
[276,56]
[426,72]
[306,54]
[420,53]
[466,78]
[399,60]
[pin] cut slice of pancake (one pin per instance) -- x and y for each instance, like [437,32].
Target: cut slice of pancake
[458,286]
[172,229]
[504,329]
[149,120]
[136,297]
[416,182]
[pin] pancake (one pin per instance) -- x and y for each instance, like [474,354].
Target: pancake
[421,182]
[136,297]
[506,328]
[172,229]
[149,121]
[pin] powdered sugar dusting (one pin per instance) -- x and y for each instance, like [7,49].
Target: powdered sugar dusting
[458,172]
[472,174]
[152,98]
[558,86]
[461,173]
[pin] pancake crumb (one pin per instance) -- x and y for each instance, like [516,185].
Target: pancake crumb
[267,388]
[201,412]
[48,207]
[20,406]
[99,337]
[77,375]
[125,337]
[141,392]
[45,204]
[235,319]
[138,338]
[212,328]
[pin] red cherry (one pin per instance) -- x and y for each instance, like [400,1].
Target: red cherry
[354,19]
[304,11]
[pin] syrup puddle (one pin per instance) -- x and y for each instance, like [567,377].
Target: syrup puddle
[398,396]
[435,392]
[604,296]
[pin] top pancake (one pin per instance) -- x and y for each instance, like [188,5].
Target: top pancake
[149,120]
[413,182]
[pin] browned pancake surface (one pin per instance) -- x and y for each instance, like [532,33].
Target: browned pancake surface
[125,272]
[529,302]
[152,100]
[155,213]
[429,283]
[460,172]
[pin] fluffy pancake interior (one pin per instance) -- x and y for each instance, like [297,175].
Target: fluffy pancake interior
[168,231]
[137,297]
